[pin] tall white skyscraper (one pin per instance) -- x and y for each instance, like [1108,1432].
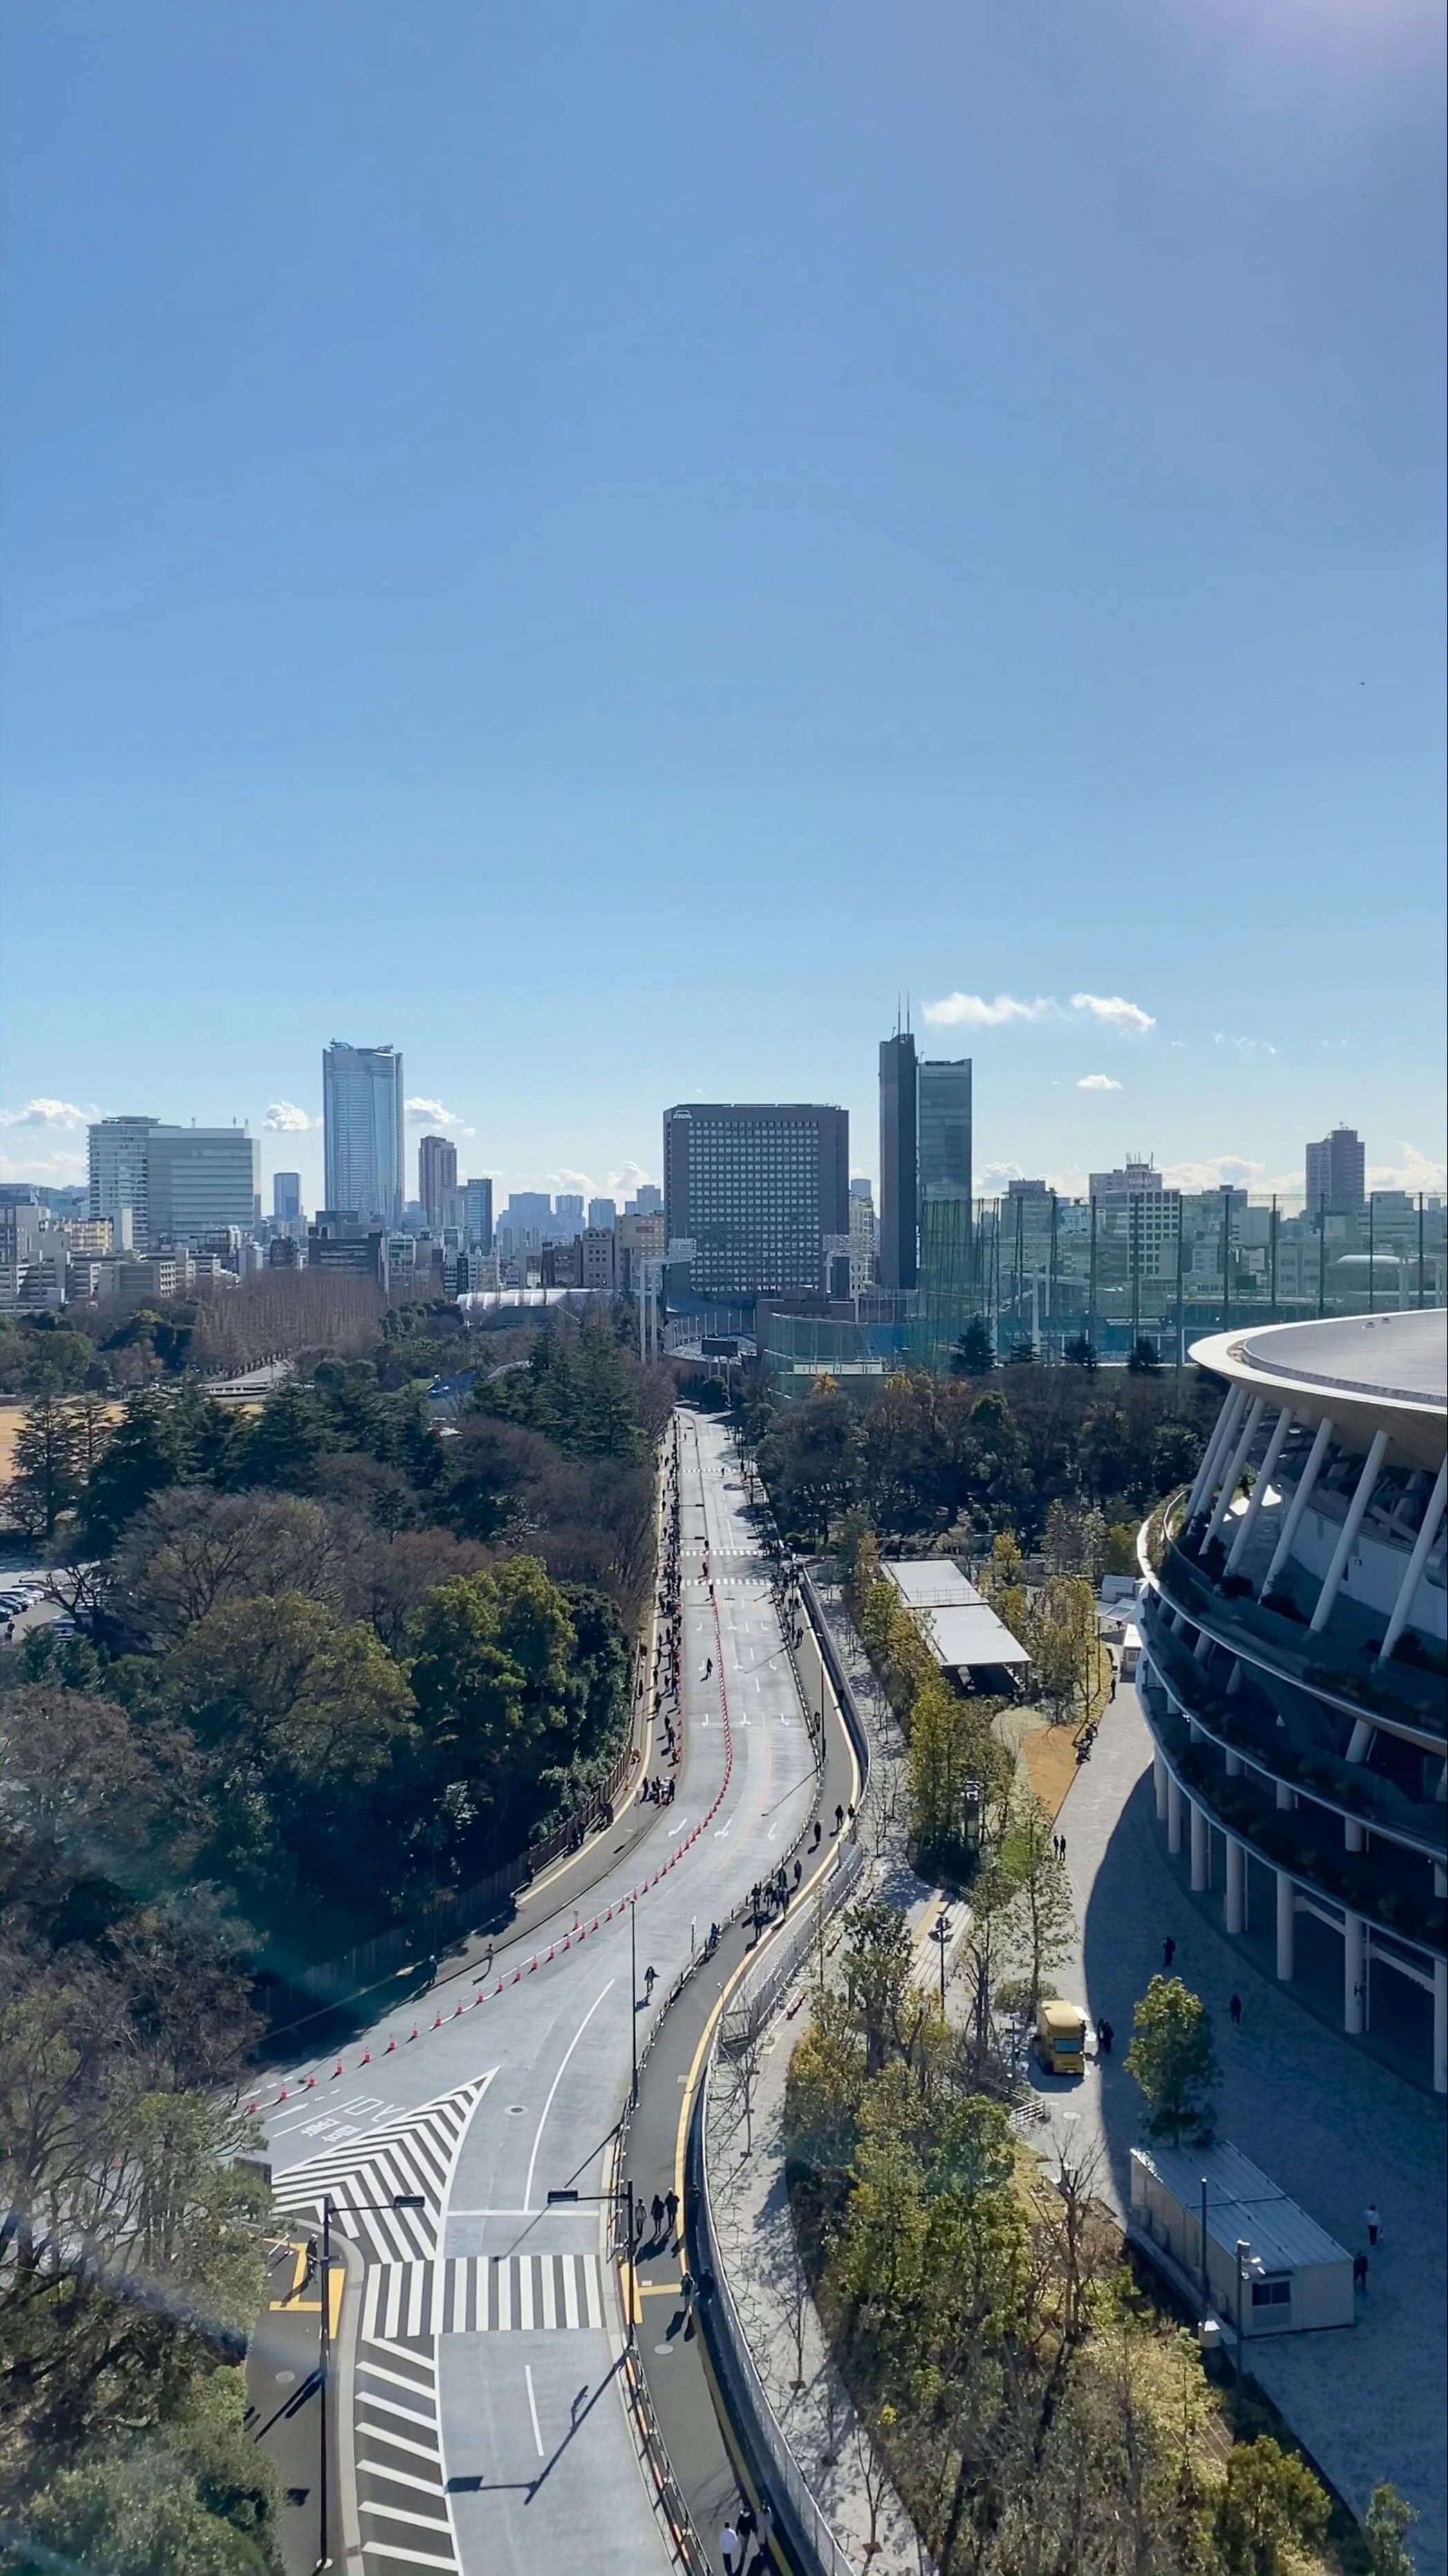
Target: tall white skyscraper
[362,1117]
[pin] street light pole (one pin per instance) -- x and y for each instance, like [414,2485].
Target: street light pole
[324,2368]
[633,2019]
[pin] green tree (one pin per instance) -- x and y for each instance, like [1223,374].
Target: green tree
[48,1468]
[1080,1352]
[1118,1552]
[1268,2505]
[1176,1454]
[1060,1637]
[1386,2525]
[1044,1915]
[1173,2060]
[974,1353]
[283,1444]
[490,1672]
[1143,1359]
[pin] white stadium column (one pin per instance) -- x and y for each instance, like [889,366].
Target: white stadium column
[1361,1497]
[1258,1495]
[1359,1747]
[1233,1474]
[1354,1973]
[1173,1813]
[1292,1518]
[1440,2026]
[1422,1545]
[1286,1924]
[1159,1776]
[1235,1910]
[1201,1854]
[1221,1432]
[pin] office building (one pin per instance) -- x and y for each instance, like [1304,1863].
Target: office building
[1137,1177]
[942,1129]
[862,1239]
[1293,1636]
[568,1212]
[640,1241]
[649,1200]
[201,1181]
[362,1115]
[478,1215]
[602,1212]
[286,1198]
[528,1215]
[754,1188]
[119,1164]
[1336,1173]
[598,1264]
[338,1240]
[437,1179]
[899,1186]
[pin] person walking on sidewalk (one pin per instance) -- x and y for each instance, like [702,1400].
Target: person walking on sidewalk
[1168,1951]
[729,2549]
[1234,2012]
[1373,2221]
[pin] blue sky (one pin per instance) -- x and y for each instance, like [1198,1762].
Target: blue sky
[601,544]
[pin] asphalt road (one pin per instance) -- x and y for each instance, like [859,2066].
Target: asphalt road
[490,2368]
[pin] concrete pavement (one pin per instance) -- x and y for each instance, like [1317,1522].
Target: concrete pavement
[1335,2129]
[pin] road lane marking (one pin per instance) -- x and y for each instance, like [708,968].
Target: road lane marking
[552,2089]
[533,2411]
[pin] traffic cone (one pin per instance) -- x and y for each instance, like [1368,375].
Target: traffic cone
[310,2084]
[387,2052]
[457,2008]
[412,2034]
[366,2057]
[281,2097]
[437,2021]
[336,2071]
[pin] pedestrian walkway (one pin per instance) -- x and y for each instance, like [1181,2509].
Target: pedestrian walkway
[1333,2127]
[401,2491]
[485,2294]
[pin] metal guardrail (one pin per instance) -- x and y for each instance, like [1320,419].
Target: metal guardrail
[776,1971]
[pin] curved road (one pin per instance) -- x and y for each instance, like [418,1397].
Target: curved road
[483,2409]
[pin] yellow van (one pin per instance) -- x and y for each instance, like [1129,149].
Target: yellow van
[1061,2036]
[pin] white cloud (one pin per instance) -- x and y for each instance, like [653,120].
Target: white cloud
[64,1170]
[47,1113]
[431,1113]
[1243,1046]
[973,1011]
[1415,1172]
[1127,1017]
[284,1118]
[995,1177]
[1216,1172]
[1097,1082]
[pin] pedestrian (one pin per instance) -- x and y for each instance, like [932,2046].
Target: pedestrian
[1234,2012]
[729,2549]
[641,2220]
[650,1976]
[671,2208]
[818,1831]
[1374,2222]
[656,2212]
[1360,2272]
[1104,2037]
[1168,1951]
[1063,1846]
[839,1818]
[798,1872]
[747,2525]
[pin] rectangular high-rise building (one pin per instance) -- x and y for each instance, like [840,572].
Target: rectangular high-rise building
[602,1212]
[1336,1172]
[286,1197]
[202,1180]
[568,1212]
[755,1187]
[899,1185]
[362,1114]
[119,1165]
[437,1180]
[478,1214]
[943,1130]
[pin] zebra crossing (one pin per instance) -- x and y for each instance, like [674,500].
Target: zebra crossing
[484,2294]
[401,2488]
[409,2159]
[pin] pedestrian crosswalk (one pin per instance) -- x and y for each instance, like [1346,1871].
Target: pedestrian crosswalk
[410,2159]
[402,2500]
[484,2294]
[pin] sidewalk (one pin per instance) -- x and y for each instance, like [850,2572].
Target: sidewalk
[1335,2128]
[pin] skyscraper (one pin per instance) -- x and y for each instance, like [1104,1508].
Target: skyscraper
[478,1214]
[1336,1172]
[201,1181]
[602,1212]
[943,1131]
[119,1157]
[899,1189]
[286,1197]
[437,1179]
[756,1187]
[362,1116]
[568,1212]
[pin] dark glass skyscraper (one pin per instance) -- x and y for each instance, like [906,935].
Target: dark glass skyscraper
[899,1189]
[943,1118]
[755,1187]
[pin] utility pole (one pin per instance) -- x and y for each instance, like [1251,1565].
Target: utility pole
[633,2019]
[324,2372]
